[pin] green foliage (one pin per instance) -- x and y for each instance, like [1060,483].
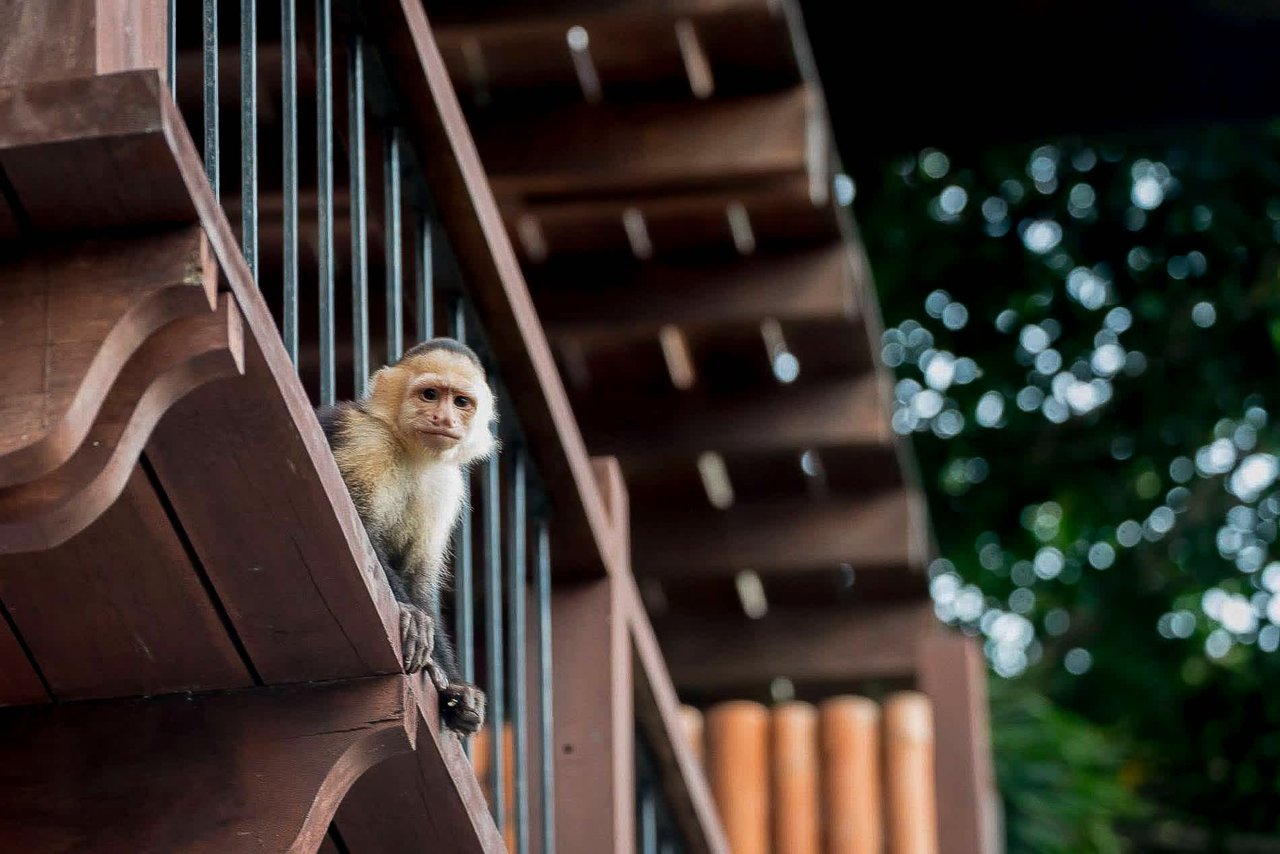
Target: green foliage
[1086,336]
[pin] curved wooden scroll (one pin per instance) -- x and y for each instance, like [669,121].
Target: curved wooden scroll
[73,315]
[178,358]
[263,769]
[104,336]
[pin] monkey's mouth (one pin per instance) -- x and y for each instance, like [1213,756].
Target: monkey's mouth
[441,431]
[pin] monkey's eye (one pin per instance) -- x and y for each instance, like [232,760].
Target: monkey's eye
[430,394]
[462,402]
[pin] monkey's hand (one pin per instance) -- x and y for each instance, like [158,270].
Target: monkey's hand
[462,708]
[417,634]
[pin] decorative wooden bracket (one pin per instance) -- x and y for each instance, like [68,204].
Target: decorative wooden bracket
[262,769]
[103,336]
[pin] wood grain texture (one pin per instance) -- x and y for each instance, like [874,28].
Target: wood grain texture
[262,769]
[183,355]
[841,645]
[78,38]
[119,609]
[75,313]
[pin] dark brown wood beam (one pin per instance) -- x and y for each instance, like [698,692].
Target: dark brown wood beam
[583,149]
[876,532]
[805,415]
[585,300]
[723,654]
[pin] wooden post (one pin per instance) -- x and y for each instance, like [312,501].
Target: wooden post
[850,739]
[796,820]
[952,673]
[61,39]
[738,765]
[908,736]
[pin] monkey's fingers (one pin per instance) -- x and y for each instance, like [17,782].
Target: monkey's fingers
[437,675]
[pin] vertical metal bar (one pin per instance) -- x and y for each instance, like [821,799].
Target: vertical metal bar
[425,271]
[324,192]
[359,196]
[391,228]
[517,572]
[171,54]
[210,26]
[249,134]
[463,585]
[542,590]
[648,819]
[494,635]
[289,101]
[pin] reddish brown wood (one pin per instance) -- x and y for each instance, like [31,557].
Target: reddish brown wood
[119,609]
[867,533]
[586,299]
[835,646]
[74,315]
[179,357]
[479,239]
[659,715]
[794,761]
[851,778]
[79,38]
[953,675]
[580,149]
[19,682]
[261,770]
[593,725]
[427,797]
[795,417]
[72,149]
[328,846]
[738,765]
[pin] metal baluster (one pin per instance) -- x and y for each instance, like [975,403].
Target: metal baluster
[517,569]
[494,635]
[542,590]
[425,296]
[171,54]
[463,589]
[648,819]
[359,192]
[249,134]
[210,25]
[289,99]
[391,227]
[324,191]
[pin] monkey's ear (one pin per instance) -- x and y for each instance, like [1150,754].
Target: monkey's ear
[377,380]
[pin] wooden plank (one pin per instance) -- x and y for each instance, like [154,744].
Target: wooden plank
[586,299]
[19,682]
[72,150]
[851,778]
[816,414]
[794,763]
[867,533]
[659,715]
[583,149]
[262,769]
[428,795]
[593,724]
[718,654]
[953,674]
[119,609]
[738,765]
[479,240]
[80,38]
[911,799]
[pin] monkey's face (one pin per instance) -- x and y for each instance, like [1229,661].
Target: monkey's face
[444,406]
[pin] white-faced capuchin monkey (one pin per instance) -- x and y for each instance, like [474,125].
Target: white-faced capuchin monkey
[403,451]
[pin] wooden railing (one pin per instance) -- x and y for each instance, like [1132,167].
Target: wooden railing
[239,495]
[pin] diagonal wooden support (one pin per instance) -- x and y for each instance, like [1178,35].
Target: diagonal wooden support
[257,770]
